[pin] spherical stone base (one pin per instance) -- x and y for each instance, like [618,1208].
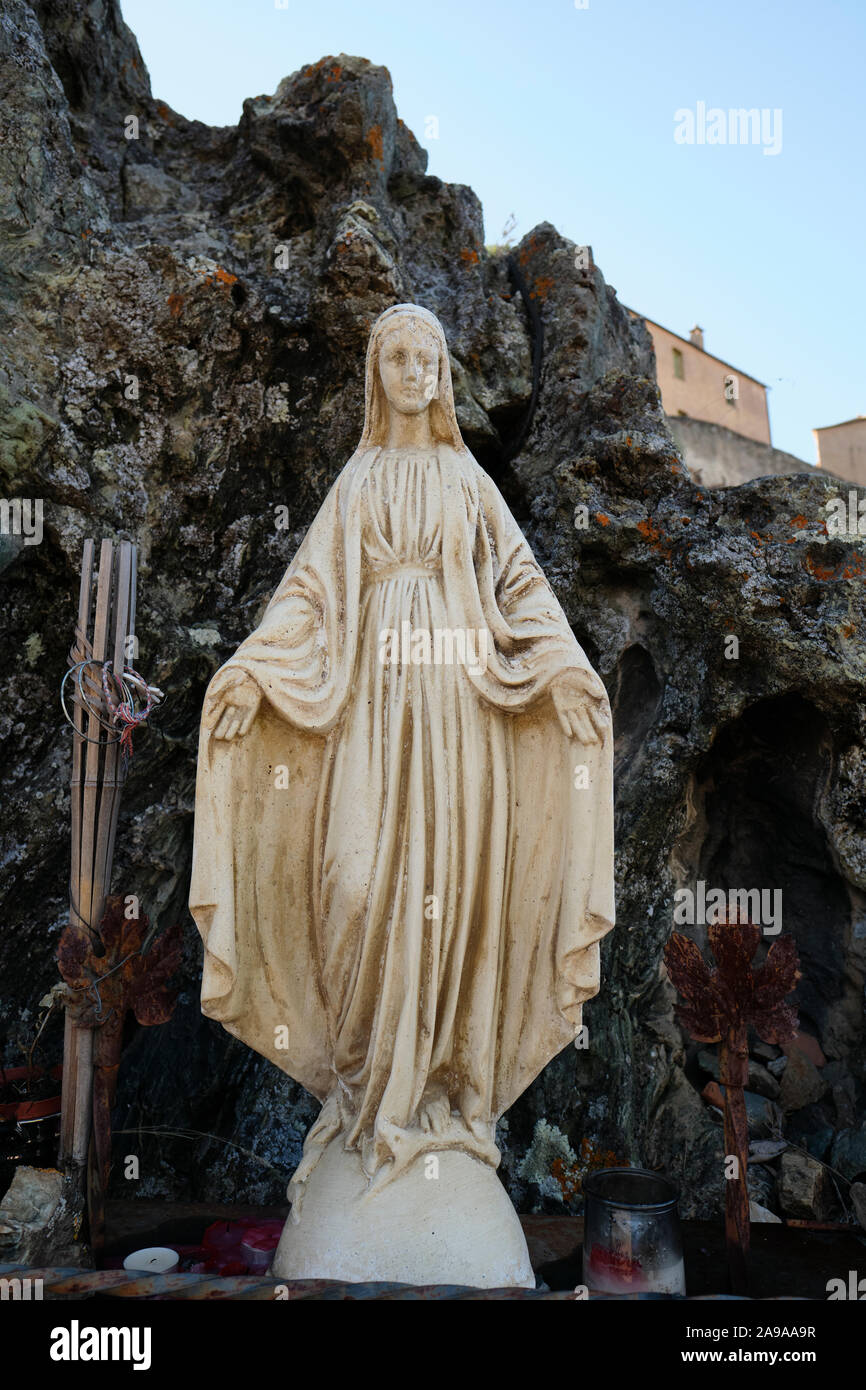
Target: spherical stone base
[457,1228]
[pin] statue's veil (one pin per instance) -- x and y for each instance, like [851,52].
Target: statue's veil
[443,417]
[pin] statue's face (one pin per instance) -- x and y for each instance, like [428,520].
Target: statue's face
[409,367]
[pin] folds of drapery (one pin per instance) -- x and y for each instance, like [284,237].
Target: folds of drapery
[252,890]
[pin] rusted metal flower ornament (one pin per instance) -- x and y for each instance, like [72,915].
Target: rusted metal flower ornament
[720,1006]
[108,977]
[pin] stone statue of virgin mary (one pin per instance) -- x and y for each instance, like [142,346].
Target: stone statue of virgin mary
[403,855]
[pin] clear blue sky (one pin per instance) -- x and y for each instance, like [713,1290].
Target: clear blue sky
[566,115]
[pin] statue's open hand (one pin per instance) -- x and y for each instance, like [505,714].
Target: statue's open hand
[231,706]
[580,701]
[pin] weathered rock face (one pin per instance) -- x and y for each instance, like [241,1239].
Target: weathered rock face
[36,1218]
[804,1187]
[187,316]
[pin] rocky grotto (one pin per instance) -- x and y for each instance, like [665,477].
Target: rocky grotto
[185,315]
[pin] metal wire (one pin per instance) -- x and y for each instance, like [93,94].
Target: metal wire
[96,714]
[153,698]
[93,987]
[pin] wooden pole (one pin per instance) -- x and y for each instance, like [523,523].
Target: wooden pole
[124,620]
[106,1040]
[80,652]
[734,1074]
[95,803]
[87,906]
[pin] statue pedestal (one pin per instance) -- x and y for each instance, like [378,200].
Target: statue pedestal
[459,1228]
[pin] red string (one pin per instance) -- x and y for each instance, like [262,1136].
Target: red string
[123,711]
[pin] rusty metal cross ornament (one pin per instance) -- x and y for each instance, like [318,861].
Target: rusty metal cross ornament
[109,975]
[720,1005]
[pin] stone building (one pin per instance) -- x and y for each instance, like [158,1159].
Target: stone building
[842,449]
[717,414]
[695,383]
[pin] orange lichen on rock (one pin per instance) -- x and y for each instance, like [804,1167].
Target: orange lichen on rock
[822,572]
[374,140]
[653,537]
[541,287]
[569,1176]
[529,251]
[827,573]
[468,255]
[222,277]
[332,76]
[602,519]
[175,304]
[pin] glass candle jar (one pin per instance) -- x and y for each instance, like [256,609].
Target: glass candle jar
[631,1238]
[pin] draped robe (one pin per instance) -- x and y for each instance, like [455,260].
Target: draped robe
[400,882]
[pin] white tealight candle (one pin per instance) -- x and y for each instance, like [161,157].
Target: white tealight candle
[155,1259]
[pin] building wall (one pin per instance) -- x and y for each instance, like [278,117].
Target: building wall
[842,450]
[716,457]
[700,393]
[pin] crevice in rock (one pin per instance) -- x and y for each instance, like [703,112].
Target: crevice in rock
[756,796]
[634,699]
